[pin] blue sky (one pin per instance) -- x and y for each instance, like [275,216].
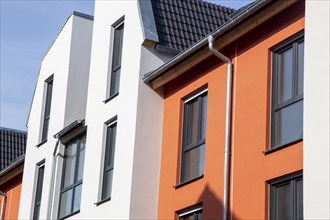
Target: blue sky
[27,30]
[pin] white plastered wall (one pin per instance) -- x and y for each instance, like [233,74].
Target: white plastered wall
[317,111]
[60,61]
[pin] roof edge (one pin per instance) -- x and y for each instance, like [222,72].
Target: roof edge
[19,160]
[242,15]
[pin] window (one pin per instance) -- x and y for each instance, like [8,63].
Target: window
[193,140]
[72,177]
[40,180]
[48,101]
[191,214]
[109,160]
[118,35]
[286,197]
[287,103]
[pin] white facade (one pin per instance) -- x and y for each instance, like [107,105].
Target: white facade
[80,60]
[139,120]
[68,60]
[317,111]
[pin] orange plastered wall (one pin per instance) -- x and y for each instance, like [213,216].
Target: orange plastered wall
[12,189]
[250,167]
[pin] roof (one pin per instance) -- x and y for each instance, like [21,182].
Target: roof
[176,25]
[12,146]
[236,18]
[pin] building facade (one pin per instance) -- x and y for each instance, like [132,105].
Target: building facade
[236,118]
[12,154]
[95,127]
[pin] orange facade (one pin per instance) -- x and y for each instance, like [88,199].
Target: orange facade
[12,190]
[250,167]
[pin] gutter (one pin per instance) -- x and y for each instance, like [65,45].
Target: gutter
[226,164]
[3,201]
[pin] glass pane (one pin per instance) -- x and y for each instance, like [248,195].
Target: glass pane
[284,74]
[107,184]
[299,199]
[289,124]
[111,141]
[204,111]
[81,158]
[36,212]
[300,68]
[192,122]
[115,78]
[39,184]
[45,130]
[199,215]
[193,163]
[48,98]
[69,163]
[283,203]
[65,203]
[77,198]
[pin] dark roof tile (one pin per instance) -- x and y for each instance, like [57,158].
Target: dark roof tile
[180,23]
[12,145]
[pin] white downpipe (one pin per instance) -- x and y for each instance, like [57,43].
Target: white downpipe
[227,125]
[3,201]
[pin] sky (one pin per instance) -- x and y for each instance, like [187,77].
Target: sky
[27,30]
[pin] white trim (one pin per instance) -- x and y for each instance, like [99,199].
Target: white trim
[196,95]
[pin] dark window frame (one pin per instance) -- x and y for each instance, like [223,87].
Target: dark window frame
[38,189]
[185,148]
[46,108]
[76,182]
[116,64]
[290,179]
[195,210]
[276,51]
[109,154]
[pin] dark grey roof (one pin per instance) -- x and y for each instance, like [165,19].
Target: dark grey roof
[181,23]
[12,145]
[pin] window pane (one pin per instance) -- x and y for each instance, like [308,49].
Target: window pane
[36,212]
[45,130]
[110,146]
[284,80]
[283,202]
[70,162]
[193,163]
[39,184]
[48,98]
[115,78]
[300,68]
[289,124]
[299,199]
[192,122]
[65,203]
[204,110]
[81,158]
[77,198]
[188,217]
[107,184]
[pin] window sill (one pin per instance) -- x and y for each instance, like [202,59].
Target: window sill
[274,149]
[188,181]
[111,97]
[41,143]
[68,216]
[102,201]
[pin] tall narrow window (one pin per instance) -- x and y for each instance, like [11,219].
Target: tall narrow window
[287,103]
[72,177]
[193,141]
[109,160]
[48,101]
[286,197]
[118,35]
[37,199]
